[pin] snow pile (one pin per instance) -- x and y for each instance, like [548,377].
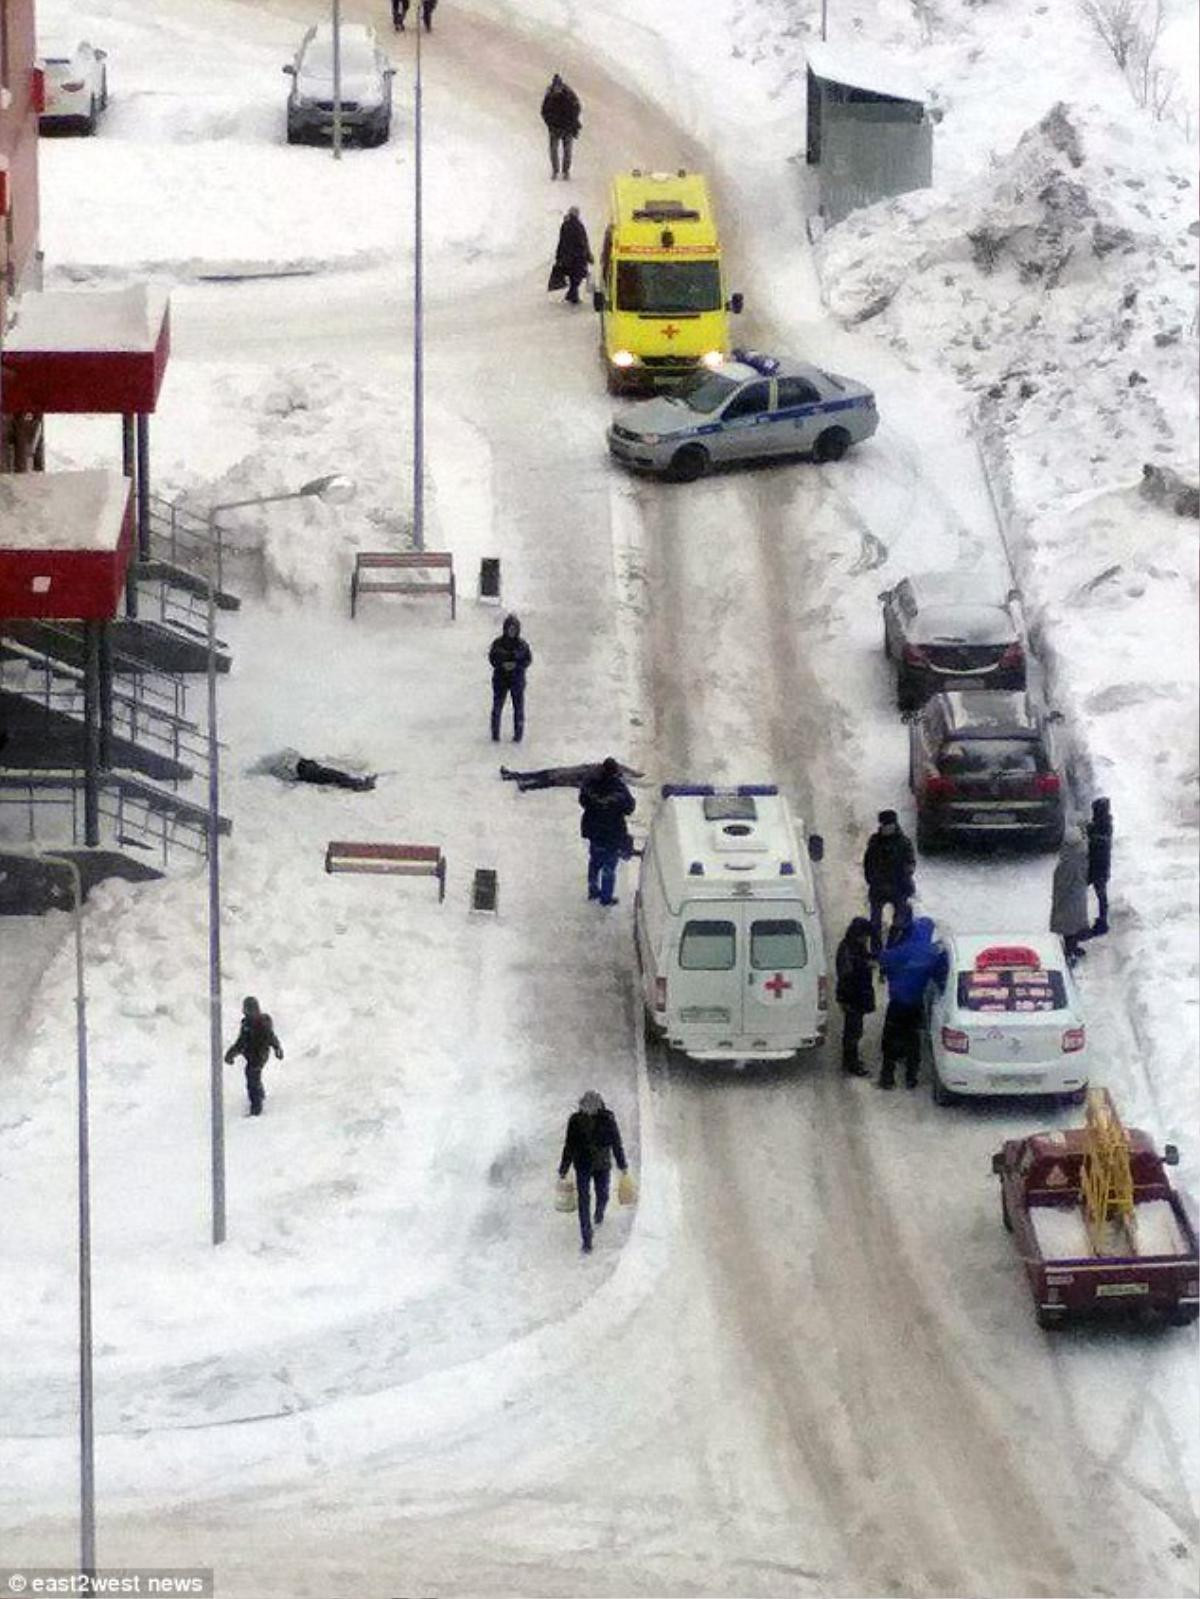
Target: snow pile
[1062,286]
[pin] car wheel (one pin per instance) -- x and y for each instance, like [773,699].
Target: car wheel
[1004,1215]
[689,463]
[907,697]
[831,445]
[1053,837]
[928,839]
[1050,1319]
[293,133]
[941,1094]
[89,122]
[1182,1315]
[104,90]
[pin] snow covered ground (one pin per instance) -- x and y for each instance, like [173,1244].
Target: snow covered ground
[427,1383]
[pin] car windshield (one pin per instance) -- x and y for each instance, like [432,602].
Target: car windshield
[669,287]
[705,392]
[975,757]
[1015,988]
[319,56]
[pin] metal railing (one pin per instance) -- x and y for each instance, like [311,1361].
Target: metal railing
[139,722]
[143,819]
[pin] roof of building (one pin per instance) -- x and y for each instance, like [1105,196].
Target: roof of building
[860,67]
[62,510]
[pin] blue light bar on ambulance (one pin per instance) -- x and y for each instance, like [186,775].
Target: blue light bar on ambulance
[766,364]
[705,790]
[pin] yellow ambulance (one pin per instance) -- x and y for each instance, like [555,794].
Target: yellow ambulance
[662,302]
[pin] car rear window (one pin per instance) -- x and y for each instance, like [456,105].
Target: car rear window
[707,947]
[1011,989]
[973,757]
[777,946]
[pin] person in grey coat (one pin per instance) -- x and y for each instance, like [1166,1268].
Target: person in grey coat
[1069,895]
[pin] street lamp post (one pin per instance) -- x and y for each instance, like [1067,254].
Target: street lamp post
[418,320]
[337,80]
[87,1451]
[335,488]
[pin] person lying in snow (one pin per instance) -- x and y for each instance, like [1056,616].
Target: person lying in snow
[292,767]
[562,776]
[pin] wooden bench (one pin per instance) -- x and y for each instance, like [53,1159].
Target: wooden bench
[403,860]
[399,574]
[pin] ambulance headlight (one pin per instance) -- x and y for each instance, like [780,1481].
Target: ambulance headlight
[623,358]
[712,358]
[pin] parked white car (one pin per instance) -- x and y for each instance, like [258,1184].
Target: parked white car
[75,75]
[1009,1021]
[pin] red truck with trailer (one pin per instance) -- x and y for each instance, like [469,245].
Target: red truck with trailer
[1097,1223]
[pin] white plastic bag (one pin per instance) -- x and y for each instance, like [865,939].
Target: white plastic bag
[564,1195]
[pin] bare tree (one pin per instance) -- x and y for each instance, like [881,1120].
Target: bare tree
[1118,22]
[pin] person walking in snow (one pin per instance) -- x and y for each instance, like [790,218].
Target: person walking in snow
[561,113]
[592,1143]
[889,866]
[909,965]
[1099,861]
[511,658]
[1069,895]
[855,991]
[399,13]
[606,802]
[573,255]
[254,1043]
[428,7]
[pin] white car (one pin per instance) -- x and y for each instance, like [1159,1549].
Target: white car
[76,83]
[1009,1020]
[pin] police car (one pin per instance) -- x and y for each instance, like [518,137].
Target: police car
[1009,1020]
[743,409]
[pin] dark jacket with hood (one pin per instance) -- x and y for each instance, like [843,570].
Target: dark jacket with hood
[889,864]
[560,108]
[1099,843]
[912,964]
[510,655]
[593,1142]
[855,981]
[606,803]
[255,1041]
[574,254]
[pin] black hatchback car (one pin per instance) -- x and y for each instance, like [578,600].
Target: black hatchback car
[982,770]
[949,630]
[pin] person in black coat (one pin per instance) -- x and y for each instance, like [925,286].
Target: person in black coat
[399,12]
[855,991]
[428,7]
[511,658]
[560,113]
[574,254]
[254,1043]
[592,1143]
[1099,861]
[889,866]
[606,803]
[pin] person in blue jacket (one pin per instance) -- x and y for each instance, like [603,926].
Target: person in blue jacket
[606,802]
[909,966]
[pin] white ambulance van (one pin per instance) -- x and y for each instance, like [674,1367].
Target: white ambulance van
[728,930]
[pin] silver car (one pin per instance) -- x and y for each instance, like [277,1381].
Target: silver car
[747,407]
[365,86]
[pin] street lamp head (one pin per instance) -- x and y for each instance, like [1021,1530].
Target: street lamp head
[334,488]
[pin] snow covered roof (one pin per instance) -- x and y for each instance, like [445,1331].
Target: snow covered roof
[87,350]
[860,67]
[127,320]
[62,510]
